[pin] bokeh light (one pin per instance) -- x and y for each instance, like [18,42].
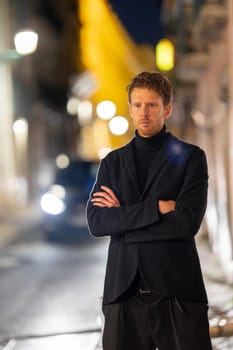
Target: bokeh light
[84,112]
[106,109]
[72,105]
[26,42]
[118,125]
[62,161]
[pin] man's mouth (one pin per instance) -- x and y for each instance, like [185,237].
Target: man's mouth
[144,122]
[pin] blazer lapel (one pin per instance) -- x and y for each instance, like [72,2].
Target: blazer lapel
[130,164]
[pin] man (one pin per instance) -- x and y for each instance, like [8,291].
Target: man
[150,198]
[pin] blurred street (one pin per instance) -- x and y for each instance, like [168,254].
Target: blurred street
[52,121]
[50,293]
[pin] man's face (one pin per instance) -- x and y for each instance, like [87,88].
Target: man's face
[148,111]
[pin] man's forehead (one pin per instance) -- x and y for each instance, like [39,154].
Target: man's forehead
[142,93]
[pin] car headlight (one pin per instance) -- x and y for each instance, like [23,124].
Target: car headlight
[51,204]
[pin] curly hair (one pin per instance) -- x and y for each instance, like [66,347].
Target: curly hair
[152,81]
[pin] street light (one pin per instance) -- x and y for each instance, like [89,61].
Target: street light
[25,43]
[165,55]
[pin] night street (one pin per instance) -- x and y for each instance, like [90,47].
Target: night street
[49,289]
[112,104]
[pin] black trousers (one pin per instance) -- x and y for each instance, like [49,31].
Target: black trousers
[143,321]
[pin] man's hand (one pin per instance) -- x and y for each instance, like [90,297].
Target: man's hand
[166,206]
[106,198]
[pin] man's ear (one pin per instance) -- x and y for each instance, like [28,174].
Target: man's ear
[168,111]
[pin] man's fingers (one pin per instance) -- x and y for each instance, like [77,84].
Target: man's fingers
[101,202]
[166,206]
[109,191]
[105,198]
[103,195]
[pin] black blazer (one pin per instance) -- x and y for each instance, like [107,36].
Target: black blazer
[161,247]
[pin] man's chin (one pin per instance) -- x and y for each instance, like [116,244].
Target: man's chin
[147,133]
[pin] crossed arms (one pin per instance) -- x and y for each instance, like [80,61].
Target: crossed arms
[153,218]
[107,198]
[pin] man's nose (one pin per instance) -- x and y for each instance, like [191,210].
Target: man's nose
[145,110]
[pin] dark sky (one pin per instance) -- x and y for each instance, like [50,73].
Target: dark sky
[141,18]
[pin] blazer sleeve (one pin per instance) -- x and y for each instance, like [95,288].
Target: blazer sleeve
[113,221]
[185,220]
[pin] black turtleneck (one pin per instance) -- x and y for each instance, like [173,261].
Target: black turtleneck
[146,149]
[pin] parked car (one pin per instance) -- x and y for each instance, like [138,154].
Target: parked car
[64,203]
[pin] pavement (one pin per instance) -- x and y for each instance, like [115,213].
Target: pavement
[23,221]
[219,292]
